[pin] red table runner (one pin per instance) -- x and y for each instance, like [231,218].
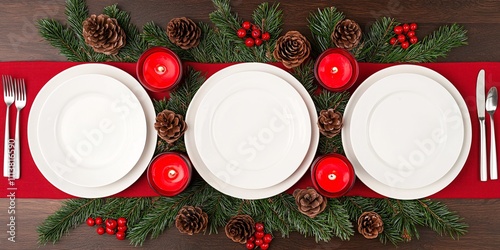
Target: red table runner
[33,185]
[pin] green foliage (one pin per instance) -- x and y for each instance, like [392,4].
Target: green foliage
[72,213]
[376,47]
[71,44]
[322,24]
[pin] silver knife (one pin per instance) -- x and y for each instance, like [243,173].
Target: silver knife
[481,110]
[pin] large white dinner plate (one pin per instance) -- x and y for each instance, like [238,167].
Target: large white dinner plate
[257,123]
[91,125]
[460,119]
[35,145]
[406,130]
[221,182]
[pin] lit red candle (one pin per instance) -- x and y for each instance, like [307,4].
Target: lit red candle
[332,175]
[169,173]
[159,69]
[336,69]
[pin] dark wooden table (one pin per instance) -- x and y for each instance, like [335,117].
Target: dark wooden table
[19,40]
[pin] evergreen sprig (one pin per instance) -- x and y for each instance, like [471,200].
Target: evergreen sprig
[322,24]
[376,47]
[71,44]
[72,213]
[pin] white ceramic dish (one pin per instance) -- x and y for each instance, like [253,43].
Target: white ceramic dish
[91,125]
[462,119]
[35,145]
[220,182]
[257,123]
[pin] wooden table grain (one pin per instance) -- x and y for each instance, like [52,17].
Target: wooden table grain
[19,40]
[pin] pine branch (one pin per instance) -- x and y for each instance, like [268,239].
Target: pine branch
[182,96]
[131,208]
[322,24]
[162,214]
[76,12]
[269,19]
[304,73]
[440,219]
[135,44]
[72,213]
[154,35]
[63,39]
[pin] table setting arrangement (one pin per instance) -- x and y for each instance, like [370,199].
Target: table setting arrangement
[244,126]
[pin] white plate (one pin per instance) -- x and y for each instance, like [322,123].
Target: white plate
[91,126]
[219,182]
[461,119]
[257,123]
[404,130]
[35,146]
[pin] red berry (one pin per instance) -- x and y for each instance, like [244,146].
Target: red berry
[264,246]
[266,36]
[98,221]
[411,33]
[254,27]
[267,238]
[256,33]
[413,40]
[401,38]
[405,45]
[90,222]
[122,228]
[393,41]
[120,235]
[246,25]
[111,223]
[258,41]
[259,234]
[406,28]
[398,29]
[121,221]
[110,231]
[241,33]
[250,245]
[249,42]
[100,230]
[259,226]
[251,239]
[413,26]
[259,242]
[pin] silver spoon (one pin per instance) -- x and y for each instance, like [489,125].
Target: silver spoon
[491,106]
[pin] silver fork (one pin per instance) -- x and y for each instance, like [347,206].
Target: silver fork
[8,96]
[20,103]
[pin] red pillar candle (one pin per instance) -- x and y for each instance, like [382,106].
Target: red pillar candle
[332,175]
[336,69]
[169,173]
[159,69]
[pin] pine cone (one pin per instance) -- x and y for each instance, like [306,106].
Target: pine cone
[292,49]
[370,225]
[191,220]
[183,32]
[329,122]
[170,126]
[104,34]
[240,228]
[309,201]
[346,34]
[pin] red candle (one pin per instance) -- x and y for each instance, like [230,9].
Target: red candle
[332,175]
[336,69]
[159,69]
[169,173]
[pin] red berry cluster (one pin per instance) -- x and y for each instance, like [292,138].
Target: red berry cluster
[252,34]
[405,34]
[111,226]
[259,238]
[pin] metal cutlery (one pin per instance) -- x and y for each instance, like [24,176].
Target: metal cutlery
[480,102]
[8,96]
[491,106]
[20,103]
